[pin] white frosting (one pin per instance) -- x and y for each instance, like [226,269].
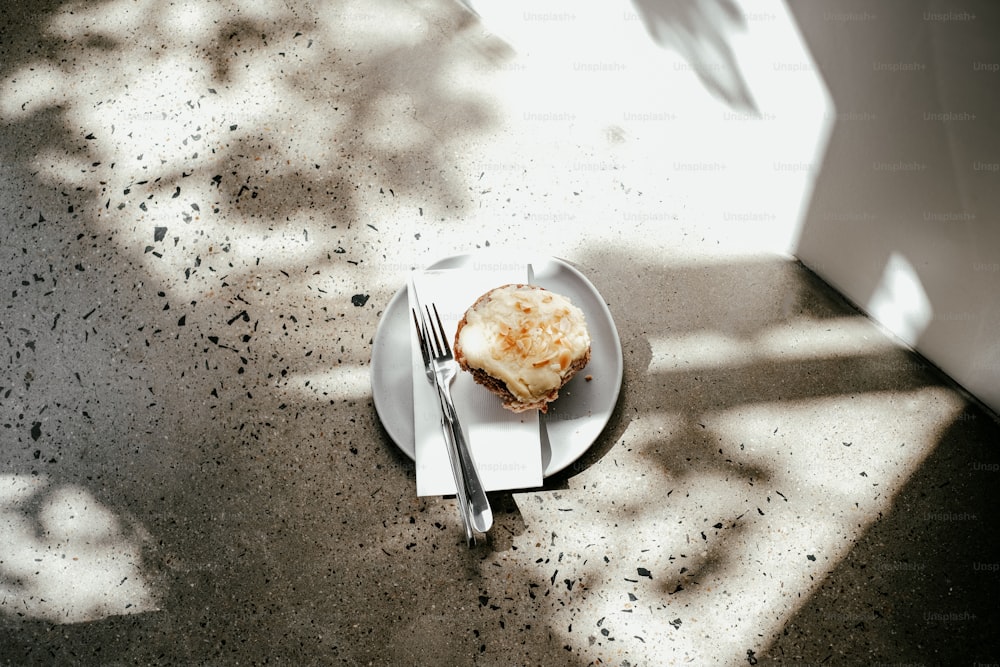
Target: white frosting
[526,336]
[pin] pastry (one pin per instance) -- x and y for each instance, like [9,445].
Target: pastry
[523,343]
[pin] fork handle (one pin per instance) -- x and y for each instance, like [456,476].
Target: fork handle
[460,494]
[479,505]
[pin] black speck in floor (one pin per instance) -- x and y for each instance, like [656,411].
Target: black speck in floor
[240,315]
[359,299]
[643,572]
[159,234]
[36,431]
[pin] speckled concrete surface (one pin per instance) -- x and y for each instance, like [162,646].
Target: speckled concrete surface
[207,207]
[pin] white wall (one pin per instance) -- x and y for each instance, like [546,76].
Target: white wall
[903,214]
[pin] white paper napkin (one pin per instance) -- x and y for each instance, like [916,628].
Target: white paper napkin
[505,445]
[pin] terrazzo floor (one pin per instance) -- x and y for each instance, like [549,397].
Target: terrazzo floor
[207,207]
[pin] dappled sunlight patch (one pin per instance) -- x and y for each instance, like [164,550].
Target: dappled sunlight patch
[31,90]
[66,557]
[107,18]
[260,124]
[342,382]
[863,466]
[734,518]
[371,25]
[900,300]
[55,165]
[803,339]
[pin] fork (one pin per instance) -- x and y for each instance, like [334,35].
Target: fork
[463,503]
[460,495]
[440,364]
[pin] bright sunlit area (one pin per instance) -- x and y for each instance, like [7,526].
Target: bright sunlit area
[212,209]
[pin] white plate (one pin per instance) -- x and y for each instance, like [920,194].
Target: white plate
[574,420]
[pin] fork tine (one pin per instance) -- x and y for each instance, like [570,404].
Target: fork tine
[433,335]
[421,336]
[444,339]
